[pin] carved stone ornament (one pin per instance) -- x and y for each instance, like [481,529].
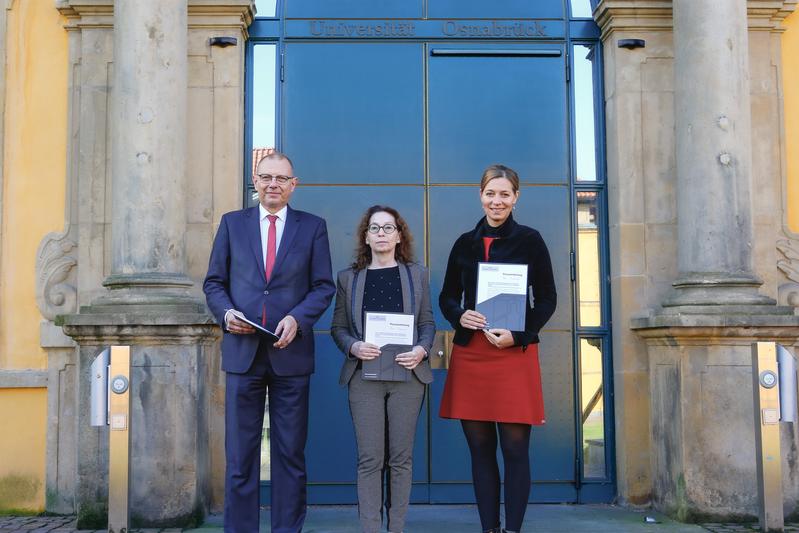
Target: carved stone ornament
[788,293]
[56,275]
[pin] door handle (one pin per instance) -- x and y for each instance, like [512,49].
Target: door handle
[442,349]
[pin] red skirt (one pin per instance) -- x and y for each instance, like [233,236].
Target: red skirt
[486,383]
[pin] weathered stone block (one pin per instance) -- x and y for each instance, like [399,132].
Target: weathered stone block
[703,442]
[661,263]
[631,243]
[628,294]
[660,167]
[200,193]
[170,468]
[199,238]
[632,421]
[62,389]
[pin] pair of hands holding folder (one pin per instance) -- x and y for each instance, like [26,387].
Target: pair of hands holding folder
[367,351]
[501,338]
[285,332]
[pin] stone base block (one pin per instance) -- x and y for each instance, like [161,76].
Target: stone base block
[169,465]
[702,420]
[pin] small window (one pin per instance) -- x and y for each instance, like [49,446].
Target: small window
[592,408]
[584,123]
[264,64]
[582,8]
[266,8]
[588,263]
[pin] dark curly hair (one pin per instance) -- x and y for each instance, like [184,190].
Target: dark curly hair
[403,253]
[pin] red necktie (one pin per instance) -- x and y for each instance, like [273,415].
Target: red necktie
[271,245]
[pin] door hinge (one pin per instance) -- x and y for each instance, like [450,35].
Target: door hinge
[572,265]
[282,65]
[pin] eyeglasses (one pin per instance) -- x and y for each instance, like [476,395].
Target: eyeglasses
[267,178]
[388,229]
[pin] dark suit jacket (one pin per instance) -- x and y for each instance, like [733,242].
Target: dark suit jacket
[347,328]
[515,244]
[301,285]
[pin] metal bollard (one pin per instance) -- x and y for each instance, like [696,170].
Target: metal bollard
[99,389]
[774,395]
[110,405]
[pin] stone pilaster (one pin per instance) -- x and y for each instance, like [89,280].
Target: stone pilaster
[137,69]
[639,109]
[62,419]
[170,468]
[216,136]
[698,314]
[703,440]
[666,348]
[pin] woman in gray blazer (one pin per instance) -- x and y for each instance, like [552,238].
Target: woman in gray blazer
[383,278]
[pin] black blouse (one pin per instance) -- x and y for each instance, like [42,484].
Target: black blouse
[382,290]
[514,243]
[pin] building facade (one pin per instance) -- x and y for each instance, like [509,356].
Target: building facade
[655,142]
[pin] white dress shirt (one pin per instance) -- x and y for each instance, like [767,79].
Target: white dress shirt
[280,223]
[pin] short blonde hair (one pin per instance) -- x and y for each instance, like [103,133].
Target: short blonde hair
[500,171]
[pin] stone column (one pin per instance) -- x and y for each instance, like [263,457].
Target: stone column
[699,339]
[714,168]
[148,139]
[157,233]
[147,303]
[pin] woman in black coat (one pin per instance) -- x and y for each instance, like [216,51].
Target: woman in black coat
[494,382]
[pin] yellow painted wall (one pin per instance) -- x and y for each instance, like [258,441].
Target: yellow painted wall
[34,173]
[22,449]
[34,188]
[790,81]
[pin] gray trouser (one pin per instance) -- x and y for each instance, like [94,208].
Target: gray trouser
[374,404]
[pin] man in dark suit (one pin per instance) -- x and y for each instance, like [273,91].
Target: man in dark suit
[271,264]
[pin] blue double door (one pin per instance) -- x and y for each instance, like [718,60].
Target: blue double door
[413,125]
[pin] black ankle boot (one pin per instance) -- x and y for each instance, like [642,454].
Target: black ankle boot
[494,530]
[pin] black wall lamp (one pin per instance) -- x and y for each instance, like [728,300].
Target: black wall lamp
[222,41]
[632,44]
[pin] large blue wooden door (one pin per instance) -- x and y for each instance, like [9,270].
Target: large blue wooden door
[392,102]
[413,125]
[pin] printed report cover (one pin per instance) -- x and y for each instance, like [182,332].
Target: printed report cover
[502,294]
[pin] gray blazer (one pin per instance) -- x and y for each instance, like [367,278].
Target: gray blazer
[348,315]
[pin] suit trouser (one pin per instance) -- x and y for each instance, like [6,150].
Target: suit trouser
[245,395]
[375,404]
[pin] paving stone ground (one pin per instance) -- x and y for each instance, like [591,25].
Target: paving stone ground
[429,518]
[744,528]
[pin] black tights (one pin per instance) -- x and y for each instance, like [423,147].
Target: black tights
[515,442]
